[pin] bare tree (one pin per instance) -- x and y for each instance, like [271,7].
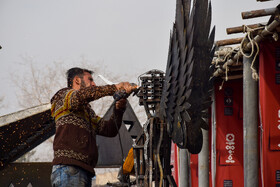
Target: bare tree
[37,85]
[2,101]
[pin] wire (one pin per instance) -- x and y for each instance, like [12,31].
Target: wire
[115,120]
[158,157]
[146,149]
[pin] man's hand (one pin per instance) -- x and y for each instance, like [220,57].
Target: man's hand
[121,104]
[126,86]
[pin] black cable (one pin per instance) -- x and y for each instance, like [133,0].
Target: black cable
[121,94]
[122,152]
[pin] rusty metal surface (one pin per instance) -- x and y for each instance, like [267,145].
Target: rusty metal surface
[186,94]
[240,29]
[265,32]
[228,42]
[259,13]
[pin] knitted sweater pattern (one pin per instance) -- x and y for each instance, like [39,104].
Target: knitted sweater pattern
[77,125]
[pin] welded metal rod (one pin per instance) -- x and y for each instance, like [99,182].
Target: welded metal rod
[203,161]
[240,29]
[259,13]
[250,125]
[228,42]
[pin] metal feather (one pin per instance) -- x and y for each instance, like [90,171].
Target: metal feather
[187,90]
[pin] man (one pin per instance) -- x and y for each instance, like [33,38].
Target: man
[75,149]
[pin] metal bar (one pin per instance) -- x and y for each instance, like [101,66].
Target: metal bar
[240,29]
[136,165]
[228,42]
[267,31]
[250,125]
[259,13]
[151,153]
[203,162]
[183,168]
[213,140]
[142,163]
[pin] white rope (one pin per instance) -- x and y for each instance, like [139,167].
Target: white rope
[226,73]
[221,86]
[228,53]
[253,43]
[275,36]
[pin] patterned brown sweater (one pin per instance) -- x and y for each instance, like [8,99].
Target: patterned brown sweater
[77,125]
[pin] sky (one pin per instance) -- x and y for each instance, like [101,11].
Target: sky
[126,36]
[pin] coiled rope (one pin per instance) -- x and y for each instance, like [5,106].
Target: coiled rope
[254,44]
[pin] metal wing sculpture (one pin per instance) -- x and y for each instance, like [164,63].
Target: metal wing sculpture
[187,90]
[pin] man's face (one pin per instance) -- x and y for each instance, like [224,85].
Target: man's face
[87,80]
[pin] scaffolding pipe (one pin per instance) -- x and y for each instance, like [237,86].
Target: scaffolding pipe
[228,42]
[220,53]
[265,32]
[220,71]
[239,29]
[250,125]
[268,30]
[213,140]
[183,168]
[259,13]
[203,161]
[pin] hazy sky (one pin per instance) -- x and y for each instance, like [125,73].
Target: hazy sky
[125,35]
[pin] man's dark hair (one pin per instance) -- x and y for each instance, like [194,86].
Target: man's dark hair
[71,73]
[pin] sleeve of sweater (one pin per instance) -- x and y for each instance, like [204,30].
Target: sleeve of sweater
[83,96]
[110,128]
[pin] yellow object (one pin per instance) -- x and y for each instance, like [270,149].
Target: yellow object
[129,162]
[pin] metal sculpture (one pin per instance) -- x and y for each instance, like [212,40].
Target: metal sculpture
[187,89]
[177,101]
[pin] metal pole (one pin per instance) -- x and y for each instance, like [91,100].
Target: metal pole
[203,161]
[213,140]
[259,13]
[240,29]
[250,125]
[228,42]
[183,165]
